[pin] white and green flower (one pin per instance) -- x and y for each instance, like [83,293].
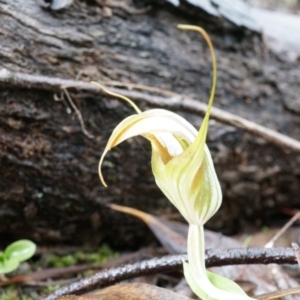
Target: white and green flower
[184,171]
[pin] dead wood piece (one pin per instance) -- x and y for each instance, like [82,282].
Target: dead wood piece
[56,192]
[62,33]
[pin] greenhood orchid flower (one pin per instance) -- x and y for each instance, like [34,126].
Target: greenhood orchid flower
[184,171]
[181,161]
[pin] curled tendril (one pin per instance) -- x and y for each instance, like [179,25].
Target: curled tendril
[213,59]
[214,67]
[103,88]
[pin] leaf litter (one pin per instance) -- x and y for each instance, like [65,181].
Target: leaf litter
[255,279]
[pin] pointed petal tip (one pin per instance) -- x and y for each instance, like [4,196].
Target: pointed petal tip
[111,205]
[102,180]
[189,27]
[101,176]
[100,165]
[104,184]
[103,88]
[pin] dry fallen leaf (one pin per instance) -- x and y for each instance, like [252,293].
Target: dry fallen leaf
[172,235]
[279,294]
[130,291]
[254,279]
[84,297]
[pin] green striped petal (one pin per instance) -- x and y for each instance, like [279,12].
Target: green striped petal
[189,181]
[169,131]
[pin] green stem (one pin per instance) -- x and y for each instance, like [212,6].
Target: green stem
[213,60]
[196,256]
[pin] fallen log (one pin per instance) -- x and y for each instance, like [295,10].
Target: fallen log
[49,149]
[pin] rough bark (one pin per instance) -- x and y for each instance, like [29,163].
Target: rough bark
[49,188]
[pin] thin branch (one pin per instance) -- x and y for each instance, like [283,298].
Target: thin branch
[297,252]
[283,230]
[23,80]
[127,8]
[277,272]
[78,113]
[46,274]
[214,258]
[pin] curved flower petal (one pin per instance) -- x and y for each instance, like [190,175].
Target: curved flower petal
[162,127]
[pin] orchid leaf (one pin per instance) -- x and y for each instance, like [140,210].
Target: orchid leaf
[224,283]
[196,270]
[192,282]
[218,281]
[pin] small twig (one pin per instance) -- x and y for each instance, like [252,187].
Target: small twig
[289,211]
[134,86]
[278,294]
[3,278]
[282,230]
[214,258]
[61,98]
[23,80]
[124,6]
[297,252]
[45,274]
[78,113]
[278,275]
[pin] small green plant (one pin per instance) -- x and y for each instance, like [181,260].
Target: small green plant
[14,254]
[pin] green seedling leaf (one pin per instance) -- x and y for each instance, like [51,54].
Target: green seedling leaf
[7,264]
[20,250]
